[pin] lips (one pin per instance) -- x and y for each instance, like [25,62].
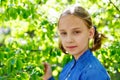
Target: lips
[71,47]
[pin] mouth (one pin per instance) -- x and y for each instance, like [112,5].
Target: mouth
[71,47]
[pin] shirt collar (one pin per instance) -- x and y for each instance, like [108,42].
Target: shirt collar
[84,56]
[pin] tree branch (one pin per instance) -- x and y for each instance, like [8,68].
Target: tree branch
[114,6]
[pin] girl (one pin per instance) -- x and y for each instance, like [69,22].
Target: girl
[76,29]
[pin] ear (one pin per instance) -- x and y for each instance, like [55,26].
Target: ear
[91,32]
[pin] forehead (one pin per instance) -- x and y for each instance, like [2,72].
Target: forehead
[70,21]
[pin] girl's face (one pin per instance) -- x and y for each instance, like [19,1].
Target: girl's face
[74,35]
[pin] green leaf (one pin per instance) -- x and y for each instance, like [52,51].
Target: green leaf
[1,56]
[12,12]
[19,64]
[25,13]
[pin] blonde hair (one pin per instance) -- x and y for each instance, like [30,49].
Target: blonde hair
[84,15]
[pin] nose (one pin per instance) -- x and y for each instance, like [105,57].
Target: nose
[69,38]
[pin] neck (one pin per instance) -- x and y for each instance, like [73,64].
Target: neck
[76,56]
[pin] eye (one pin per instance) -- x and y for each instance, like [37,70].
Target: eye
[63,33]
[77,32]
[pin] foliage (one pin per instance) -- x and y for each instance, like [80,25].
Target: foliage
[28,36]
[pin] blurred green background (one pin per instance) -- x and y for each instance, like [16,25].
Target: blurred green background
[28,36]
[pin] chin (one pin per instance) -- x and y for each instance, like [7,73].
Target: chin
[72,53]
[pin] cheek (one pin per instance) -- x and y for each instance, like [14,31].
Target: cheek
[82,38]
[62,39]
[63,42]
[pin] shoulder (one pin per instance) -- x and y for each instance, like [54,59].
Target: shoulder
[94,70]
[94,63]
[65,69]
[94,74]
[67,66]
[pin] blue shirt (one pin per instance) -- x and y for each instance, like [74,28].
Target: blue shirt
[87,67]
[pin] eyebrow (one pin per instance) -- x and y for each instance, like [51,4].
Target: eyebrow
[76,28]
[72,29]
